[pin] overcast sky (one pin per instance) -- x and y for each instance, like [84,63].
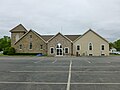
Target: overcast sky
[66,16]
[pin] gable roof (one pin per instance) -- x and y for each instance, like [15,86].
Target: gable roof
[72,37]
[46,37]
[38,35]
[90,30]
[19,28]
[61,35]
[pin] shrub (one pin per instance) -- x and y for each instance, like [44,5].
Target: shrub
[5,51]
[9,51]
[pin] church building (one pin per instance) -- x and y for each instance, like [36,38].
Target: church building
[88,44]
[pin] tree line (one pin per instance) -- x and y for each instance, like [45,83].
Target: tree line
[5,46]
[115,45]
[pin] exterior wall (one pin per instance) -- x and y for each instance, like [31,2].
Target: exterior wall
[36,42]
[95,40]
[59,39]
[13,37]
[89,37]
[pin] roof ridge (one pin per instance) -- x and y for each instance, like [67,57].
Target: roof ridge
[17,27]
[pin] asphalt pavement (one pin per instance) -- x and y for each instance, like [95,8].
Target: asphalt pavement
[59,73]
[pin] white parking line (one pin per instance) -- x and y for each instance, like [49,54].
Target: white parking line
[54,83]
[69,77]
[31,83]
[54,61]
[74,66]
[97,83]
[37,71]
[88,61]
[97,71]
[63,71]
[47,66]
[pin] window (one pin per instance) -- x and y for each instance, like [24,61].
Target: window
[90,46]
[30,36]
[102,47]
[51,50]
[41,46]
[66,50]
[20,46]
[17,37]
[90,54]
[102,54]
[59,45]
[30,46]
[78,47]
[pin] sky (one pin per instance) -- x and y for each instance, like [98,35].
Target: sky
[65,16]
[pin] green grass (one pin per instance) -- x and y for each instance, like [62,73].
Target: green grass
[2,55]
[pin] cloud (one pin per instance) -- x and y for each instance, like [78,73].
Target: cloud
[74,16]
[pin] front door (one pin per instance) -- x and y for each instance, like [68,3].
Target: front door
[59,50]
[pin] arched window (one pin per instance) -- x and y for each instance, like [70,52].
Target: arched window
[102,47]
[78,47]
[17,37]
[52,50]
[59,45]
[90,46]
[30,46]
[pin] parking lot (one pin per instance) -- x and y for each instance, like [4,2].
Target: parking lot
[60,73]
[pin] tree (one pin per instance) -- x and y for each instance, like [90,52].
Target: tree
[117,45]
[111,45]
[5,42]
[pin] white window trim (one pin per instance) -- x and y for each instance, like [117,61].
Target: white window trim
[79,46]
[92,46]
[101,47]
[68,50]
[53,50]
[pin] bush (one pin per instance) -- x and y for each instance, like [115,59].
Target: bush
[9,51]
[5,51]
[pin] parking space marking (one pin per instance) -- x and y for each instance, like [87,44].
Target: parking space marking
[76,66]
[31,83]
[47,66]
[97,83]
[69,77]
[60,71]
[88,61]
[54,61]
[95,66]
[54,83]
[96,71]
[36,71]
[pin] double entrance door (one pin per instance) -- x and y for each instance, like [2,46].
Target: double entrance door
[59,50]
